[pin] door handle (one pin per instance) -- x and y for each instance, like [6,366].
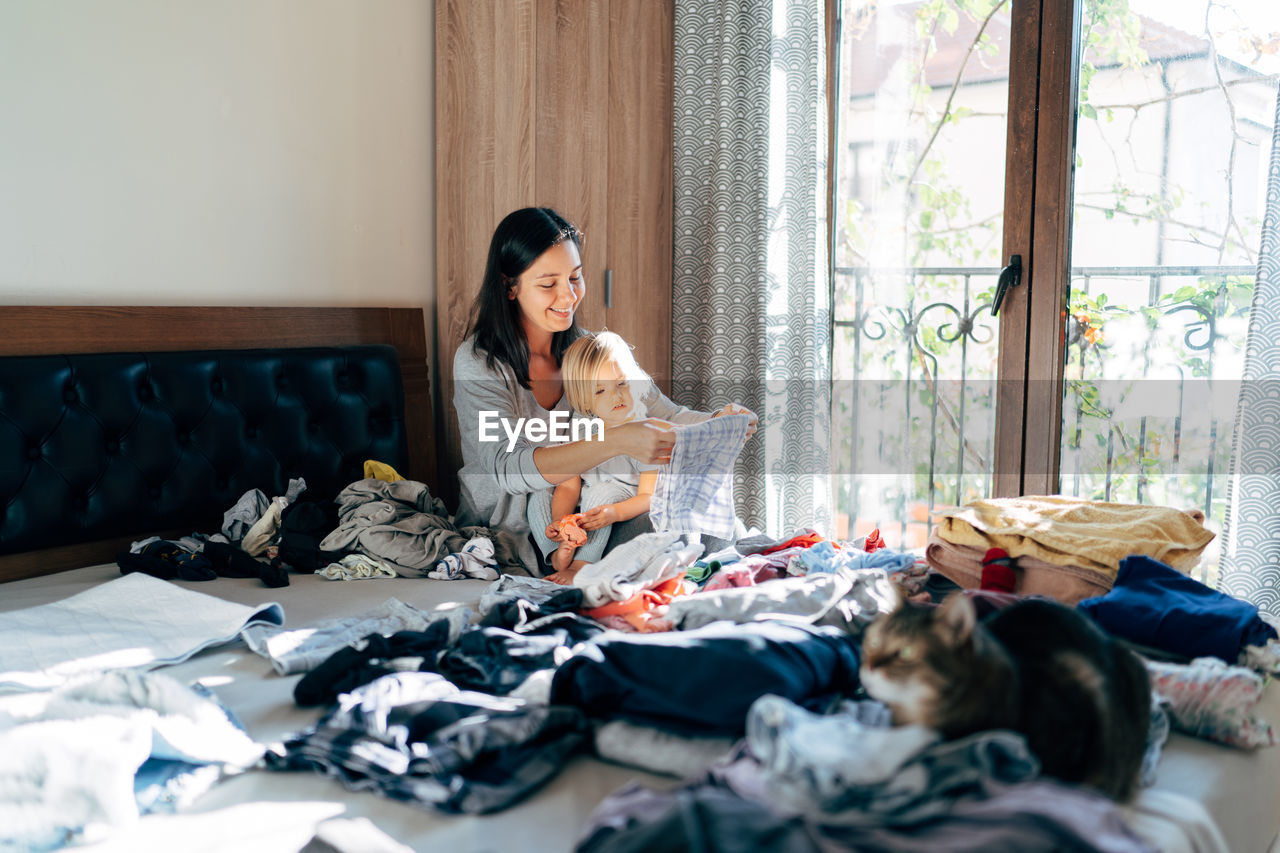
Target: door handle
[608,288]
[1010,276]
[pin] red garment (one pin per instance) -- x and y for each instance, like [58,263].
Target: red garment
[804,540]
[874,542]
[997,571]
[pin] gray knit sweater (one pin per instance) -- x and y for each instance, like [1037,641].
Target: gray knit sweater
[495,484]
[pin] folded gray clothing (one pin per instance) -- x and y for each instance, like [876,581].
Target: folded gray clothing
[810,760]
[401,524]
[849,598]
[413,544]
[658,751]
[516,587]
[410,496]
[237,520]
[303,649]
[923,787]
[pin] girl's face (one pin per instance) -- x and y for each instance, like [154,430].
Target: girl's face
[611,396]
[550,290]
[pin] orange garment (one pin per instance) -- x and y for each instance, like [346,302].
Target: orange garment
[804,540]
[570,529]
[639,611]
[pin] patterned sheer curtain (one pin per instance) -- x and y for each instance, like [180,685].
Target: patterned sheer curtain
[1250,565]
[751,304]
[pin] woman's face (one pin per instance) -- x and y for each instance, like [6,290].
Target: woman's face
[549,291]
[611,396]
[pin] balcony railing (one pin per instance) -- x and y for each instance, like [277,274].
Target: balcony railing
[915,357]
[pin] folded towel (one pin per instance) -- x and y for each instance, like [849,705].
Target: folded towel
[1068,584]
[1067,531]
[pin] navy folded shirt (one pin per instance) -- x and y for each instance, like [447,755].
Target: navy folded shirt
[703,681]
[1158,606]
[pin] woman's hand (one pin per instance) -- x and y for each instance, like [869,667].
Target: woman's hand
[553,532]
[735,409]
[601,516]
[649,441]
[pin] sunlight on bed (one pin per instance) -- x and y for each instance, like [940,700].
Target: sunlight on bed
[48,677]
[245,828]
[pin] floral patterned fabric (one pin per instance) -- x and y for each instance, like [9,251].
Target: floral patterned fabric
[1213,700]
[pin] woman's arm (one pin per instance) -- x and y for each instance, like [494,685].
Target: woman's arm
[480,393]
[480,396]
[648,441]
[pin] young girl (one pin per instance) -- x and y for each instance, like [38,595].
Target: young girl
[601,380]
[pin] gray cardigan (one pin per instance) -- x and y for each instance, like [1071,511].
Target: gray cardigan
[495,484]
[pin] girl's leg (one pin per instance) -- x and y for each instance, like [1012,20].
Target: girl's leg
[538,512]
[599,495]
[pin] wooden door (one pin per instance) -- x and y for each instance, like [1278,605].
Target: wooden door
[565,104]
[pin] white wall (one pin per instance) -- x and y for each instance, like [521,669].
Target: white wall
[217,152]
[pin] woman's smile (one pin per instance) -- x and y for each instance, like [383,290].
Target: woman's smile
[550,290]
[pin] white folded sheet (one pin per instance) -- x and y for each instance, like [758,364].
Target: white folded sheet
[134,621]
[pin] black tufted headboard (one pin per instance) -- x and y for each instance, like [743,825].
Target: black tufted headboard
[99,447]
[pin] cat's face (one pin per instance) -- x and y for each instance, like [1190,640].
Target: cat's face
[912,656]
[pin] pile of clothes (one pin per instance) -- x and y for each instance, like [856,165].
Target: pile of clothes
[396,528]
[657,582]
[382,526]
[1067,548]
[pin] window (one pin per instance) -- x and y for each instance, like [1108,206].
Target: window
[1117,148]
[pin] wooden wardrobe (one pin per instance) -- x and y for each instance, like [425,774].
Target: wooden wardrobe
[565,104]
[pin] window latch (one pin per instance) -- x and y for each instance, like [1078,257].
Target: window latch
[1010,276]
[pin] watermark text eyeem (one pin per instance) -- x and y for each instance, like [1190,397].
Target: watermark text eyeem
[559,427]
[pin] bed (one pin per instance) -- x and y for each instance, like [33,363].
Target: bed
[1237,791]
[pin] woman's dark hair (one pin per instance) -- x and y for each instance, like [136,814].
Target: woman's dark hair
[519,240]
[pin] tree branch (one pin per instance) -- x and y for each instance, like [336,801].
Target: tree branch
[955,85]
[1200,90]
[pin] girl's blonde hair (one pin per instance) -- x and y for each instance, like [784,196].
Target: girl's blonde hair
[583,360]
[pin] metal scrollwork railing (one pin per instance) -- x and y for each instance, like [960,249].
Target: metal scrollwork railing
[901,349]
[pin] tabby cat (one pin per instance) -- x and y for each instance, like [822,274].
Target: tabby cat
[1081,698]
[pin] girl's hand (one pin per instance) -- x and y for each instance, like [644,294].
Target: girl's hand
[735,409]
[649,441]
[601,516]
[553,532]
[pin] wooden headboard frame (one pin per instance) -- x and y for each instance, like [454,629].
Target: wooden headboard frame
[67,330]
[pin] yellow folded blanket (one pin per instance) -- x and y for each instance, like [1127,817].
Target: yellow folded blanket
[1076,532]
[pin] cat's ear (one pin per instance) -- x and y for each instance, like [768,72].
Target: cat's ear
[956,617]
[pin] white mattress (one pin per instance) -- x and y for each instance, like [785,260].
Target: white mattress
[261,811]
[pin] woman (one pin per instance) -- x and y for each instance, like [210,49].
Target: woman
[508,368]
